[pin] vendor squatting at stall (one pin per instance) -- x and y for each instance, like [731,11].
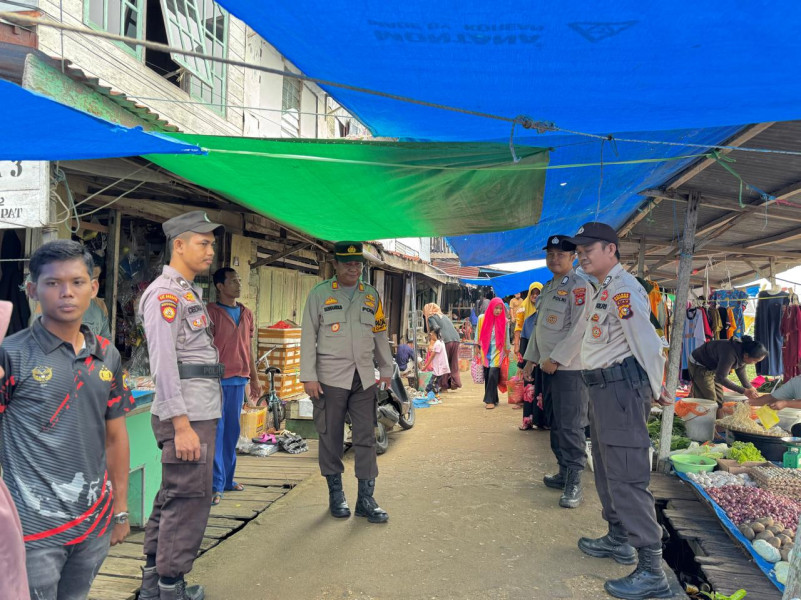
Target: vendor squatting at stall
[711,363]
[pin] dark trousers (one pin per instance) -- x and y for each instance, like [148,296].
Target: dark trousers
[620,458]
[181,508]
[437,383]
[532,413]
[492,377]
[329,421]
[453,380]
[566,395]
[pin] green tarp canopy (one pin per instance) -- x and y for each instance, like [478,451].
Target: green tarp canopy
[371,190]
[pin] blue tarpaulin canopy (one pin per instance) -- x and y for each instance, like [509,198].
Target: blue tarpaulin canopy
[577,195]
[507,285]
[37,128]
[658,69]
[600,67]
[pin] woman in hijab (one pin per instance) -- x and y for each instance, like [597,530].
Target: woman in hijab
[523,331]
[436,321]
[524,323]
[492,337]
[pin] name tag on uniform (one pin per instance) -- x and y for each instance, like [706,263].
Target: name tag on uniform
[601,306]
[332,307]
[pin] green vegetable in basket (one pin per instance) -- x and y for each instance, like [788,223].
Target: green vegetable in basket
[655,427]
[745,452]
[678,442]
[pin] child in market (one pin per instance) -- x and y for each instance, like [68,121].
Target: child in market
[437,362]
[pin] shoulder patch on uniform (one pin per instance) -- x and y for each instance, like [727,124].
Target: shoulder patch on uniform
[172,297]
[581,295]
[331,300]
[370,298]
[168,311]
[607,280]
[623,302]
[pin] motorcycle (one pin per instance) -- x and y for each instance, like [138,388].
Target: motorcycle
[393,407]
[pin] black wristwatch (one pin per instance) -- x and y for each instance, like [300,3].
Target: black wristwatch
[120,518]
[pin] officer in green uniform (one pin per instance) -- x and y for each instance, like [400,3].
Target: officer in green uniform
[344,331]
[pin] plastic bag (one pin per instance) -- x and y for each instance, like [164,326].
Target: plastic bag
[477,370]
[504,374]
[516,388]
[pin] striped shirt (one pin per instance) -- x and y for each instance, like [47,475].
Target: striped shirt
[53,411]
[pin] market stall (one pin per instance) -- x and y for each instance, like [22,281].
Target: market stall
[747,478]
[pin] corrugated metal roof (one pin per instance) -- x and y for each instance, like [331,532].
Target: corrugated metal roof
[12,64]
[733,240]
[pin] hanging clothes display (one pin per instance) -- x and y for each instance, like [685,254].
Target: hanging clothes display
[791,350]
[707,328]
[731,333]
[693,335]
[723,313]
[735,300]
[769,310]
[714,322]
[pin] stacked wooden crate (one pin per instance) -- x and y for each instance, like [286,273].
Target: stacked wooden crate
[285,355]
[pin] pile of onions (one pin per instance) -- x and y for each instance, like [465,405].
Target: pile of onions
[744,504]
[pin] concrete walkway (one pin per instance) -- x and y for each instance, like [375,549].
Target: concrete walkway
[469,519]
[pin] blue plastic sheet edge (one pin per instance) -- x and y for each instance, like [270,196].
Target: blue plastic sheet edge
[764,566]
[507,285]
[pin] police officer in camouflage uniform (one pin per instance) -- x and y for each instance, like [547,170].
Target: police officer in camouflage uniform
[184,365]
[554,346]
[623,362]
[344,330]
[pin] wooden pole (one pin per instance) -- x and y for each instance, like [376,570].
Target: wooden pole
[413,303]
[679,315]
[113,270]
[641,262]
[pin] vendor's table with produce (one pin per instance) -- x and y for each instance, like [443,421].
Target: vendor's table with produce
[756,501]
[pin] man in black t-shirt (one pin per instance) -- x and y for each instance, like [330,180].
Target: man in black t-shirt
[65,454]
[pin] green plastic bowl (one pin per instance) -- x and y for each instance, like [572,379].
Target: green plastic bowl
[691,463]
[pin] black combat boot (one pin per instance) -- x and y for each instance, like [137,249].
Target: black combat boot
[572,496]
[179,591]
[366,506]
[614,544]
[150,584]
[336,497]
[647,581]
[556,481]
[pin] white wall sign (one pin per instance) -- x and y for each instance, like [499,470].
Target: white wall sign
[24,194]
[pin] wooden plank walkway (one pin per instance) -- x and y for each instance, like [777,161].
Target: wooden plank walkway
[266,479]
[723,561]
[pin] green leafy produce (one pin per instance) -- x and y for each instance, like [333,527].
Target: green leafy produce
[679,442]
[745,452]
[655,427]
